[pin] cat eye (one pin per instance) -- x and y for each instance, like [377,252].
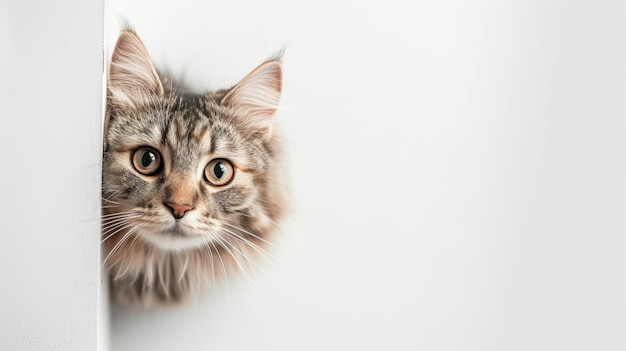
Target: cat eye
[219,172]
[147,161]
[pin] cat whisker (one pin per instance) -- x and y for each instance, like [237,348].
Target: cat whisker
[278,248]
[238,248]
[264,253]
[113,231]
[107,222]
[110,201]
[224,268]
[211,262]
[244,255]
[278,225]
[211,259]
[224,244]
[117,214]
[119,243]
[228,223]
[112,221]
[250,278]
[110,227]
[132,243]
[249,242]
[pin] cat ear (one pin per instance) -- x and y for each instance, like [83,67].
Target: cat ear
[131,73]
[257,96]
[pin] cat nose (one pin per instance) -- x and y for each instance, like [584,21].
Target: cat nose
[178,211]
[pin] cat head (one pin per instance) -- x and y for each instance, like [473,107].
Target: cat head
[185,171]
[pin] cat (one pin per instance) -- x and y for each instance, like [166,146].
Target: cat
[192,183]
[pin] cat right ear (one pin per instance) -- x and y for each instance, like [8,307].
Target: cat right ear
[131,74]
[257,96]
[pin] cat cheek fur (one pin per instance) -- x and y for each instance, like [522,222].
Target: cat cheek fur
[169,236]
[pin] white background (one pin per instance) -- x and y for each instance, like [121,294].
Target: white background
[457,169]
[51,80]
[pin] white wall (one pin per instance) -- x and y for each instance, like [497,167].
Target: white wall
[458,174]
[50,142]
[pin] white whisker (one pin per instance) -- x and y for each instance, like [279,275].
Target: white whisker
[225,273]
[251,261]
[249,233]
[260,250]
[116,214]
[119,243]
[105,225]
[110,201]
[247,277]
[212,263]
[116,229]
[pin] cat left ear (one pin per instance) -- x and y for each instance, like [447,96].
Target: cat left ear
[131,73]
[257,96]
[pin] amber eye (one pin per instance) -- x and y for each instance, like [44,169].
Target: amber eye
[147,161]
[219,172]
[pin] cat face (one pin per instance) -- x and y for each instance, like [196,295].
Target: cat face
[183,170]
[186,175]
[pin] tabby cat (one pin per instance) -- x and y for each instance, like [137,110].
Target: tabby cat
[192,184]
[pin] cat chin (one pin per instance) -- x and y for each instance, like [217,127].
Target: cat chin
[174,242]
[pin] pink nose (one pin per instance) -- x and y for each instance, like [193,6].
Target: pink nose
[178,210]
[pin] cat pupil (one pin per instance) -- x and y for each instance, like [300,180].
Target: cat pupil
[147,159]
[219,169]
